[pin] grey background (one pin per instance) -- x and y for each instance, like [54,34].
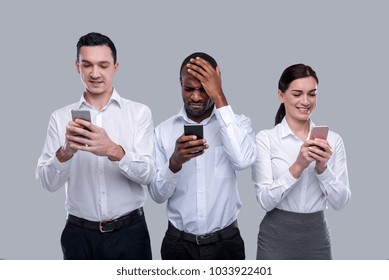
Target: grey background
[346,42]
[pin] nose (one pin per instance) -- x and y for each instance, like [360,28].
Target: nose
[196,95]
[94,72]
[304,99]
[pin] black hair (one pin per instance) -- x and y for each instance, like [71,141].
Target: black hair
[290,74]
[204,56]
[96,39]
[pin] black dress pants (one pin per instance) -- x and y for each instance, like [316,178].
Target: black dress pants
[131,242]
[176,248]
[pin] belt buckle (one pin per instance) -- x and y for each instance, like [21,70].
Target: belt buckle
[202,237]
[101,226]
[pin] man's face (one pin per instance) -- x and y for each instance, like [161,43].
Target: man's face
[197,103]
[97,69]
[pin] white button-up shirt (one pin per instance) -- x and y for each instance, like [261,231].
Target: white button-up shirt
[202,197]
[96,187]
[277,150]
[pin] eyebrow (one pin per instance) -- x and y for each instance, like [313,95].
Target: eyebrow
[297,90]
[192,87]
[99,62]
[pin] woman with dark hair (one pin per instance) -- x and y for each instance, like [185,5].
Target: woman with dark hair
[296,178]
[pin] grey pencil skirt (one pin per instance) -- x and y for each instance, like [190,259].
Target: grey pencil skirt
[287,235]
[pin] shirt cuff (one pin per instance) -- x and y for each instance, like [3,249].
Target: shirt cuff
[170,177]
[225,115]
[61,166]
[327,176]
[288,180]
[124,163]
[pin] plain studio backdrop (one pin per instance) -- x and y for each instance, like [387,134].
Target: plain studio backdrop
[346,42]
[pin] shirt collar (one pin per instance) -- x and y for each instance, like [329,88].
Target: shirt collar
[286,131]
[115,97]
[183,115]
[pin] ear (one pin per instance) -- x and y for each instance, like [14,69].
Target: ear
[77,66]
[280,96]
[116,67]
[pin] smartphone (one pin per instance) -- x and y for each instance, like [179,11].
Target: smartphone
[81,114]
[319,131]
[194,129]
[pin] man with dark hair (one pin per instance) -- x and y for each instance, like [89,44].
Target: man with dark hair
[197,177]
[102,163]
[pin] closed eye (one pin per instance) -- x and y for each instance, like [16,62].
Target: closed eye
[188,88]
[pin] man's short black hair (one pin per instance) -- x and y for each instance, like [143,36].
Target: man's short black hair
[204,56]
[96,39]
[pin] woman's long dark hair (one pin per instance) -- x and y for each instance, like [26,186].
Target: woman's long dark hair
[290,74]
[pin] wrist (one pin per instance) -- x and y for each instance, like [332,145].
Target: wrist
[320,169]
[220,101]
[296,170]
[117,153]
[62,155]
[174,166]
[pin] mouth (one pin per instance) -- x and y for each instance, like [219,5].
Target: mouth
[95,84]
[304,110]
[196,106]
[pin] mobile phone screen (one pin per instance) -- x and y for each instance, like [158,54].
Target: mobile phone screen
[194,129]
[81,114]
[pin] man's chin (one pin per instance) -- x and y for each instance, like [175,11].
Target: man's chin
[95,91]
[196,112]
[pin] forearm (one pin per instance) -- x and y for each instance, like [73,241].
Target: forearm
[270,193]
[336,188]
[238,139]
[162,186]
[334,180]
[138,168]
[220,100]
[52,174]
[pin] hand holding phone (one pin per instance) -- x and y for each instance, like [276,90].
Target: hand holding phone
[321,151]
[82,114]
[186,147]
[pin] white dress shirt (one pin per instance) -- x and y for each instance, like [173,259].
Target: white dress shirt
[277,150]
[96,187]
[202,197]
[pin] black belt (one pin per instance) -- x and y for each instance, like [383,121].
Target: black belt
[205,239]
[106,226]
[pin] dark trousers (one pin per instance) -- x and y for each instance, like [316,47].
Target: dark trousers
[177,248]
[131,242]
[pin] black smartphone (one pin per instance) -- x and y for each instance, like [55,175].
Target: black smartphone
[81,114]
[194,129]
